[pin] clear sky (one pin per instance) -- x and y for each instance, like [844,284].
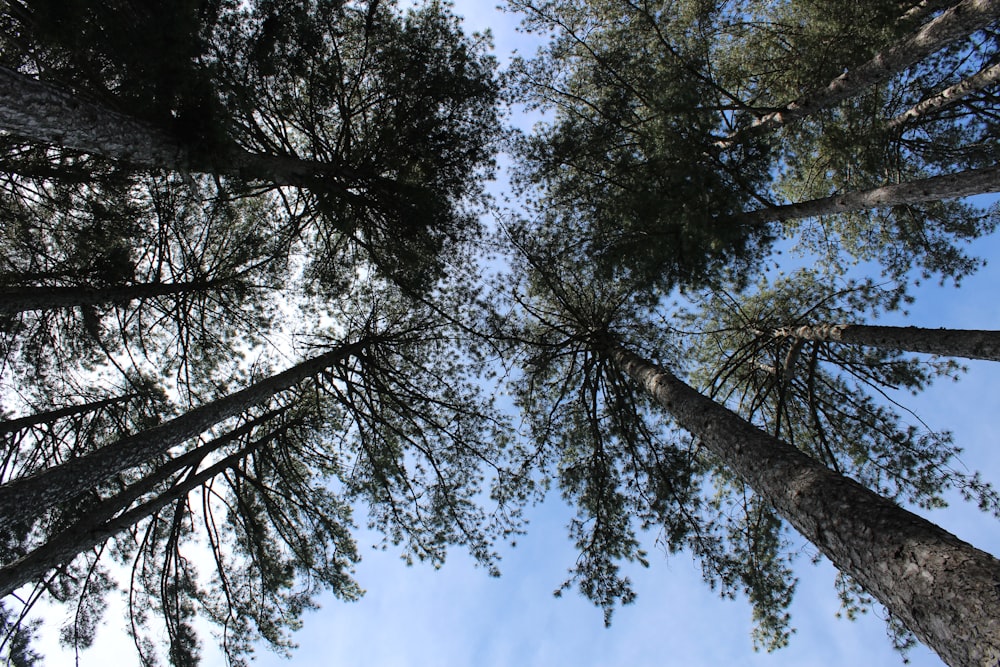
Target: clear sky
[419,617]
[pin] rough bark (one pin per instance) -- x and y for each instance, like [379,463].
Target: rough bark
[65,481]
[961,184]
[41,112]
[21,299]
[89,533]
[968,343]
[943,589]
[957,22]
[921,10]
[981,79]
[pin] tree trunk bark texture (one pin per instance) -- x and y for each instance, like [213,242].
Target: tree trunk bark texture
[21,299]
[968,343]
[981,79]
[957,22]
[943,589]
[42,490]
[949,186]
[39,111]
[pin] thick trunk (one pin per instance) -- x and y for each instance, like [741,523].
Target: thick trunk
[960,21]
[981,79]
[90,532]
[968,343]
[41,112]
[962,184]
[40,491]
[943,589]
[20,299]
[49,416]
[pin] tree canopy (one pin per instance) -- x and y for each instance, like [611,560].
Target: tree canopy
[252,287]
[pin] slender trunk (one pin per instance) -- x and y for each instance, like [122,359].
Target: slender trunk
[957,22]
[20,299]
[943,589]
[41,112]
[981,79]
[20,423]
[968,343]
[962,184]
[88,533]
[919,11]
[44,489]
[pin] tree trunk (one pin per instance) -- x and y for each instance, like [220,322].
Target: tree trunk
[943,589]
[41,112]
[918,12]
[49,416]
[960,21]
[981,79]
[20,299]
[962,184]
[89,532]
[44,489]
[968,343]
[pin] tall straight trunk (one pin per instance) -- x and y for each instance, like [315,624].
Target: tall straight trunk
[962,184]
[943,589]
[968,343]
[49,416]
[88,533]
[957,22]
[36,493]
[918,12]
[20,299]
[981,79]
[41,112]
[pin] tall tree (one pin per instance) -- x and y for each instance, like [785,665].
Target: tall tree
[381,116]
[638,90]
[932,581]
[339,142]
[576,395]
[970,344]
[954,23]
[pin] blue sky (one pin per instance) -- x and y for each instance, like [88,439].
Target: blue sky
[419,617]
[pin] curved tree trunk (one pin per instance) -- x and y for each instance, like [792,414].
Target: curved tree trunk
[63,482]
[981,79]
[20,299]
[957,22]
[968,343]
[949,186]
[943,589]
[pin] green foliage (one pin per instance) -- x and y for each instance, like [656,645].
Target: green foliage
[829,400]
[628,160]
[340,151]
